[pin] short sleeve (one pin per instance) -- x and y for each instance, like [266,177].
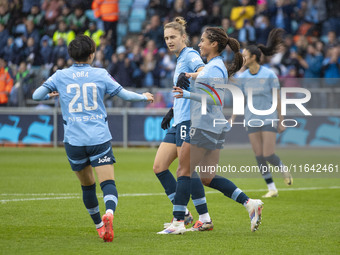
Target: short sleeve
[112,86]
[194,61]
[51,82]
[274,81]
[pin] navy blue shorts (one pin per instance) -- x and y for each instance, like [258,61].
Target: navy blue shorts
[268,128]
[96,155]
[178,133]
[206,139]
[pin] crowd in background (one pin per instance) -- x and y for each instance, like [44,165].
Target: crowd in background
[34,35]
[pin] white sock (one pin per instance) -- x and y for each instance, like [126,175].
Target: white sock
[186,211]
[204,217]
[109,211]
[99,225]
[271,186]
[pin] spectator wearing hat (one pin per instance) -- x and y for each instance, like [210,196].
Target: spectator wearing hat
[94,33]
[46,51]
[120,67]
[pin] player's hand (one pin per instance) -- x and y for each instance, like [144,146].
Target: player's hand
[53,94]
[178,92]
[167,118]
[149,97]
[183,81]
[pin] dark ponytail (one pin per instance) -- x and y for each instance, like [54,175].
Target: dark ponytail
[275,40]
[216,34]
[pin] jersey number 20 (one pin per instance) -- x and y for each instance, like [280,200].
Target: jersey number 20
[73,107]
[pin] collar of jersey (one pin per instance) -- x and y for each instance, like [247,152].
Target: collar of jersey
[181,52]
[80,65]
[255,73]
[215,58]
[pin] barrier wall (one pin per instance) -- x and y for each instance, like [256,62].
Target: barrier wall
[142,127]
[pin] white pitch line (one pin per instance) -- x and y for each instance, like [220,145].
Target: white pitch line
[60,196]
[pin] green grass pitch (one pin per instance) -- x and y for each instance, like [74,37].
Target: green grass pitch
[41,210]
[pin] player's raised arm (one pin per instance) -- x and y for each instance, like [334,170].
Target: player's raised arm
[132,96]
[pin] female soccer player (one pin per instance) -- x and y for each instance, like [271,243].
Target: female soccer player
[203,146]
[81,89]
[262,133]
[188,61]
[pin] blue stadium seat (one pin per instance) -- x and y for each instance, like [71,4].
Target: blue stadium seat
[135,25]
[127,2]
[138,13]
[141,3]
[122,29]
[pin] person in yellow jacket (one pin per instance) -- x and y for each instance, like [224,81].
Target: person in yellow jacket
[63,32]
[94,33]
[108,11]
[241,13]
[6,83]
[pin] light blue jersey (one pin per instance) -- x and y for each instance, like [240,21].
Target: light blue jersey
[213,73]
[81,91]
[188,61]
[261,84]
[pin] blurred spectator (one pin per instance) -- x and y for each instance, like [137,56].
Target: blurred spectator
[31,53]
[241,13]
[46,51]
[280,14]
[31,31]
[5,16]
[120,68]
[158,102]
[37,17]
[94,33]
[63,32]
[227,6]
[150,70]
[154,31]
[27,5]
[312,62]
[99,60]
[159,7]
[9,50]
[167,66]
[178,9]
[316,13]
[262,29]
[108,11]
[66,14]
[6,83]
[150,47]
[229,28]
[197,18]
[105,48]
[60,51]
[52,10]
[78,20]
[136,60]
[331,66]
[4,34]
[215,18]
[247,34]
[332,41]
[60,64]
[21,88]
